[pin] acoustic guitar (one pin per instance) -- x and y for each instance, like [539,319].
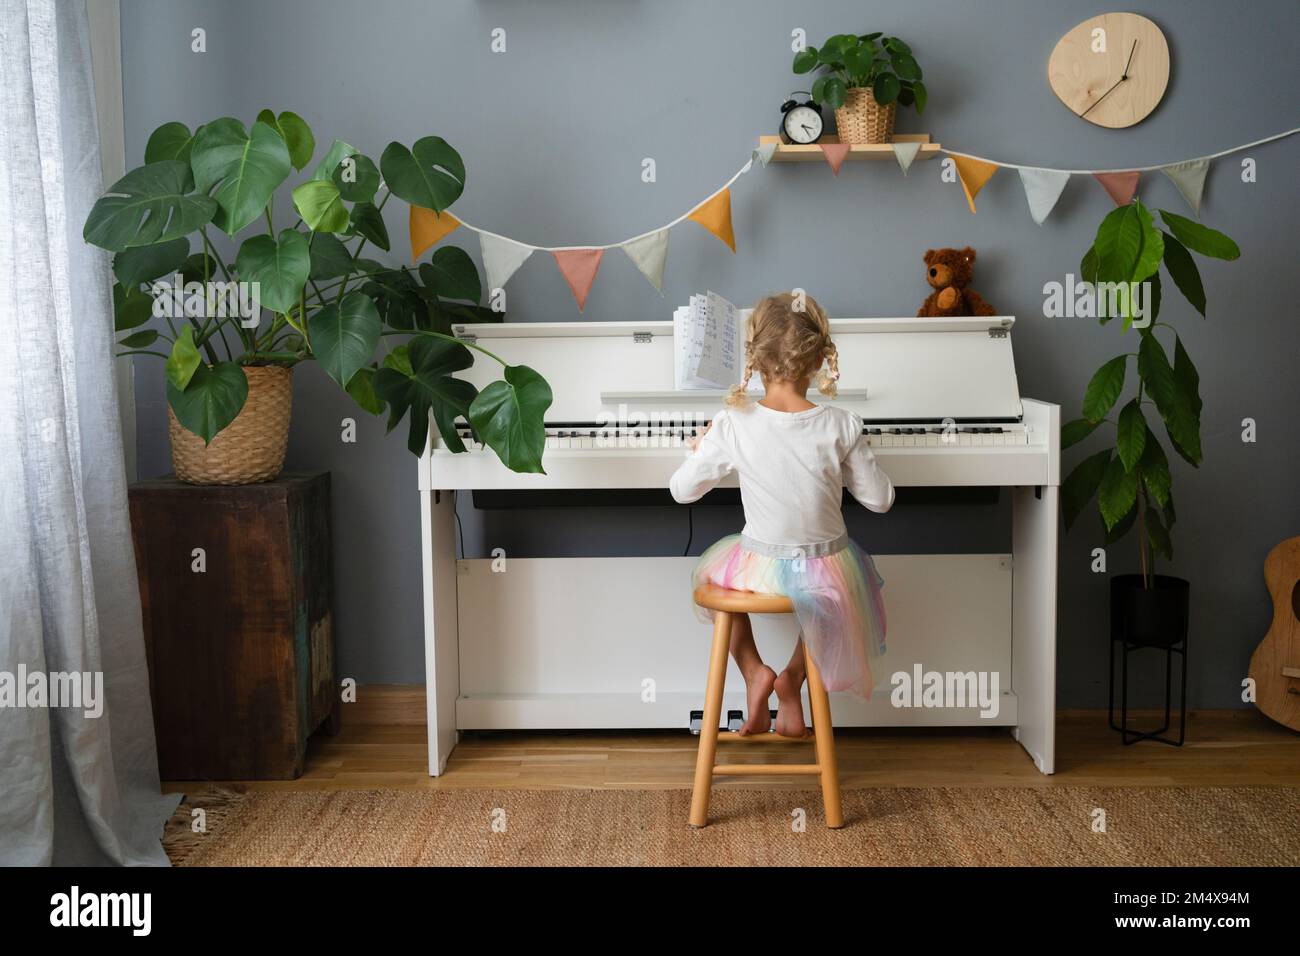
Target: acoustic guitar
[1275,665]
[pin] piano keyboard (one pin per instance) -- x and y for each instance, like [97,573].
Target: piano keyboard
[594,437]
[939,400]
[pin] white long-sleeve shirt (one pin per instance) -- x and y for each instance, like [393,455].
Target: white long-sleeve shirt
[792,467]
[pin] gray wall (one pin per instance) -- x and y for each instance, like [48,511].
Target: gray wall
[553,133]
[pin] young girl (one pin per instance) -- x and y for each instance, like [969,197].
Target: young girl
[793,457]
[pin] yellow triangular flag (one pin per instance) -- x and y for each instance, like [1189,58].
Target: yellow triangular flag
[973,173]
[427,227]
[714,214]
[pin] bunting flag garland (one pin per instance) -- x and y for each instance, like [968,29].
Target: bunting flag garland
[1119,186]
[1043,187]
[428,227]
[501,257]
[1189,178]
[714,214]
[905,153]
[835,153]
[973,173]
[579,268]
[649,253]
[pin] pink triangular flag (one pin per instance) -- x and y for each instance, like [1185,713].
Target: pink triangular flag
[835,153]
[579,267]
[1119,186]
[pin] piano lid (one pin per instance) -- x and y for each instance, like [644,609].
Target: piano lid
[910,368]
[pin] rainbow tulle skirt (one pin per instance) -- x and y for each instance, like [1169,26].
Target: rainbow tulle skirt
[835,590]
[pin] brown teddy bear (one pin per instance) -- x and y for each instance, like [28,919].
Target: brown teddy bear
[949,271]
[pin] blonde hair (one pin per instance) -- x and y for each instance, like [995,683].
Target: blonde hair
[786,343]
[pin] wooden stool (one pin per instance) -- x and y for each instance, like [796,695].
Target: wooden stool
[726,603]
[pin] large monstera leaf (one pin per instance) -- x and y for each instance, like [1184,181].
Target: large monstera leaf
[280,267]
[169,141]
[141,264]
[317,201]
[150,204]
[248,167]
[509,416]
[398,297]
[344,336]
[295,132]
[418,378]
[451,274]
[429,174]
[214,396]
[337,152]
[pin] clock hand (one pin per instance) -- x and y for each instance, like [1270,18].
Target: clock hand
[1102,97]
[1130,59]
[1117,82]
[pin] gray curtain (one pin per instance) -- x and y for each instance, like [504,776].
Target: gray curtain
[74,789]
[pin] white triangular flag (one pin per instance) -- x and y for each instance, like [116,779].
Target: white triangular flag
[1042,189]
[501,257]
[763,153]
[1189,177]
[649,253]
[905,153]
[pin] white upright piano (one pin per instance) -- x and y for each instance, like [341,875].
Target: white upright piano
[587,643]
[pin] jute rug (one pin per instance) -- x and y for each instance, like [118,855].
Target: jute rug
[1215,826]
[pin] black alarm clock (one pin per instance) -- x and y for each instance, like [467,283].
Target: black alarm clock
[801,122]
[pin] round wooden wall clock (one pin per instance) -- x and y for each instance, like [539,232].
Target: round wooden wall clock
[1111,70]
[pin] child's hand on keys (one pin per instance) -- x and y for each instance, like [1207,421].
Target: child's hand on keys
[694,442]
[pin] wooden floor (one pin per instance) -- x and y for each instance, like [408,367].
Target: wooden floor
[382,745]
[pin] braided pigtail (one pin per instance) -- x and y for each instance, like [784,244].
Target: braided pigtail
[737,396]
[828,378]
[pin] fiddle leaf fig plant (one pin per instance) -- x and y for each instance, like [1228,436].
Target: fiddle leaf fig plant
[304,292]
[884,65]
[1130,476]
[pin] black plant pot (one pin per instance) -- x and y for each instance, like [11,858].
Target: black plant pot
[1154,617]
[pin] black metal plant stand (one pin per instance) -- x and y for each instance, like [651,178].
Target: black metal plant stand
[1133,736]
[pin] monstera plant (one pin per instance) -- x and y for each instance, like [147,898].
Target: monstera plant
[304,290]
[1130,476]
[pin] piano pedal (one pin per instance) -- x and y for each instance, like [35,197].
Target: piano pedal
[735,720]
[697,718]
[772,728]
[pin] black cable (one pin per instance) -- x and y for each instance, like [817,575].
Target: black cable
[460,532]
[690,529]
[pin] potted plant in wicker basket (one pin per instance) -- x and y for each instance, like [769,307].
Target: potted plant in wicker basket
[233,327]
[1130,476]
[865,79]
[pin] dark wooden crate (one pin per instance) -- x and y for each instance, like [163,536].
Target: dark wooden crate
[241,656]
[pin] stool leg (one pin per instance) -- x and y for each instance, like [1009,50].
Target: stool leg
[712,718]
[825,743]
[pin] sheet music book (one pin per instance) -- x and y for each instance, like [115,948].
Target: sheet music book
[709,343]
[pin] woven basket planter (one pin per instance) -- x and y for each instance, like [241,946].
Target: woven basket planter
[248,450]
[862,120]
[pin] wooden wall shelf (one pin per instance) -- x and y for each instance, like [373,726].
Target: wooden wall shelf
[793,153]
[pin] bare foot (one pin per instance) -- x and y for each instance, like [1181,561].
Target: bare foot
[758,688]
[789,709]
